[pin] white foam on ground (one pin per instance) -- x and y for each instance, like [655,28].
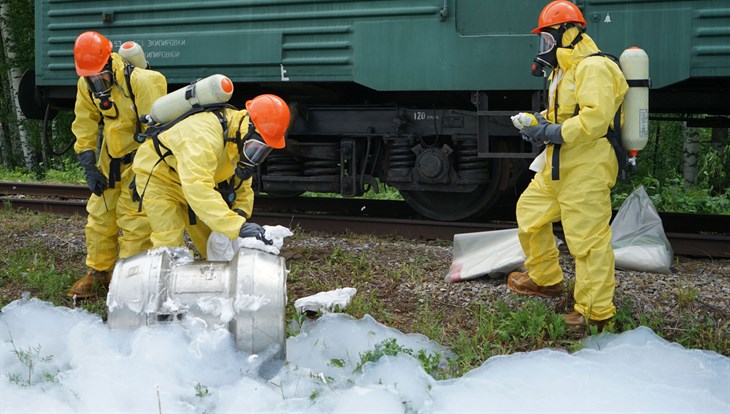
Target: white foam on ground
[81,366]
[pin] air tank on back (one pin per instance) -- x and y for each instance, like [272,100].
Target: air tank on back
[132,52]
[211,90]
[635,128]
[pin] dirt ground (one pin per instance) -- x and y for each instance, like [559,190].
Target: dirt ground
[403,280]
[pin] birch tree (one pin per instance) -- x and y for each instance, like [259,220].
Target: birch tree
[691,151]
[14,76]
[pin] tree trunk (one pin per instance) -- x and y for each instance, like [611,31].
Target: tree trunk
[4,149]
[719,139]
[14,84]
[691,150]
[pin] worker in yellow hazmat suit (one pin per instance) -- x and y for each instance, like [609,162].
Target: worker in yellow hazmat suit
[194,176]
[111,94]
[574,185]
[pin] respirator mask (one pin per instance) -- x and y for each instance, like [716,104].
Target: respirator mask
[100,84]
[253,150]
[547,50]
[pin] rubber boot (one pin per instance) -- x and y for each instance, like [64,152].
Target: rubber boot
[578,322]
[522,284]
[94,283]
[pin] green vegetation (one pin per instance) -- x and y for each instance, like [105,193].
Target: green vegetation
[390,347]
[43,254]
[201,391]
[32,361]
[660,172]
[385,192]
[70,173]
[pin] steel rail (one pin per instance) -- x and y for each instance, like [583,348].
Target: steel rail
[689,234]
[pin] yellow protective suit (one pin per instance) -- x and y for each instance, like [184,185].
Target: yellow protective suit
[200,160]
[115,210]
[581,197]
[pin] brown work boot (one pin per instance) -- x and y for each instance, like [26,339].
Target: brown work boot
[577,322]
[522,284]
[94,283]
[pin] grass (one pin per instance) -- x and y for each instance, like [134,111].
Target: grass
[33,261]
[72,173]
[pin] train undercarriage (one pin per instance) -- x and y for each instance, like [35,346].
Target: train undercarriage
[437,159]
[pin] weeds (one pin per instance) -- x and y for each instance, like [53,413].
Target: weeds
[201,391]
[686,296]
[431,362]
[389,288]
[428,321]
[533,323]
[30,359]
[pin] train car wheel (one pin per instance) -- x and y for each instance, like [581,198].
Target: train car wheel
[448,206]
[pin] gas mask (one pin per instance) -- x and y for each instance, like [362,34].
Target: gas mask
[550,41]
[253,150]
[547,52]
[100,85]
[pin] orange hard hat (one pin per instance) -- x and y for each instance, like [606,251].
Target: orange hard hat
[91,53]
[270,116]
[558,12]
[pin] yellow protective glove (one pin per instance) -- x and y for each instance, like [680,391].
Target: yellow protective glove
[523,119]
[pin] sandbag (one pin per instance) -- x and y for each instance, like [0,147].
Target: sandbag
[486,253]
[637,236]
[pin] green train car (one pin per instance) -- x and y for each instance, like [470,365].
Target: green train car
[412,93]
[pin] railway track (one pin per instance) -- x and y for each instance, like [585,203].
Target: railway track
[689,234]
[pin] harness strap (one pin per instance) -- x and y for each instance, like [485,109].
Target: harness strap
[556,162]
[115,171]
[192,219]
[144,190]
[128,69]
[555,170]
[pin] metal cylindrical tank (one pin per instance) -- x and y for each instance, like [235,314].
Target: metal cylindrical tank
[635,129]
[247,295]
[132,52]
[211,90]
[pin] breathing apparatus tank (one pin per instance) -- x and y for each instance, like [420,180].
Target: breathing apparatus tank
[132,52]
[214,89]
[634,64]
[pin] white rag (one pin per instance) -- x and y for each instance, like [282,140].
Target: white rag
[221,248]
[325,300]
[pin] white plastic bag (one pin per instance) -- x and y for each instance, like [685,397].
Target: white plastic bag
[638,238]
[493,253]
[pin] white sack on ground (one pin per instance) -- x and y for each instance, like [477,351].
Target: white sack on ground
[638,238]
[221,248]
[325,301]
[493,253]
